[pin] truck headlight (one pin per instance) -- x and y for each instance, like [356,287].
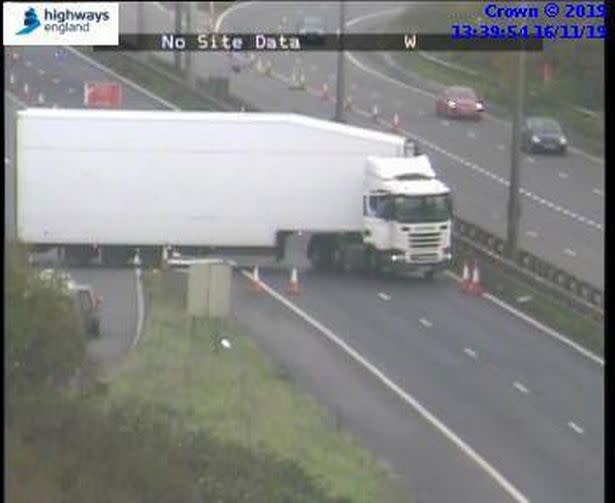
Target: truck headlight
[563,140]
[451,104]
[479,106]
[535,139]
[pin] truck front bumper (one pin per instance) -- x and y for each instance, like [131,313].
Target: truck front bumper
[399,264]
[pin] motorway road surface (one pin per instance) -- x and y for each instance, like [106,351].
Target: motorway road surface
[563,198]
[532,407]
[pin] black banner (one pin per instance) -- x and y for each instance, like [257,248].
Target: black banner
[292,42]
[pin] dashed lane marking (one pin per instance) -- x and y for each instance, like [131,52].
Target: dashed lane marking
[471,353]
[384,296]
[425,322]
[520,387]
[576,427]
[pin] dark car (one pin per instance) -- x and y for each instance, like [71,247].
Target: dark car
[459,102]
[87,305]
[543,134]
[311,25]
[311,30]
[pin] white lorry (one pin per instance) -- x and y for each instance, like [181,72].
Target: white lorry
[107,182]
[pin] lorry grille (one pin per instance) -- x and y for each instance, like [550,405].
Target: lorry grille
[424,257]
[424,240]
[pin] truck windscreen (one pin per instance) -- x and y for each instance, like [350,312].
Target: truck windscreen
[417,209]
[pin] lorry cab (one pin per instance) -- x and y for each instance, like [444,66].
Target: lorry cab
[407,213]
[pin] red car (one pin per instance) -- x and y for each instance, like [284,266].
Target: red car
[459,102]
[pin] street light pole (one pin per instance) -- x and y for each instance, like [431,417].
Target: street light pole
[177,55]
[191,15]
[514,202]
[339,103]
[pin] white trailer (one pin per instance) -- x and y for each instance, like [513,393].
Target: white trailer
[90,180]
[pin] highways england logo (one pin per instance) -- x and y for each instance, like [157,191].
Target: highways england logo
[31,22]
[61,23]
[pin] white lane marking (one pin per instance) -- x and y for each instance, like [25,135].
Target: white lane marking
[471,353]
[162,7]
[576,427]
[55,80]
[532,234]
[531,160]
[425,322]
[470,133]
[501,147]
[500,180]
[41,71]
[536,324]
[384,296]
[421,91]
[570,252]
[124,79]
[405,396]
[445,123]
[11,96]
[524,299]
[598,192]
[563,175]
[547,330]
[521,387]
[140,307]
[27,63]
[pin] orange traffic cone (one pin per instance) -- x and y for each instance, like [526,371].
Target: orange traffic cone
[348,103]
[475,285]
[255,282]
[375,112]
[395,124]
[293,284]
[325,92]
[465,280]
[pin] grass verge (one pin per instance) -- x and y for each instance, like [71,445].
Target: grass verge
[584,331]
[236,395]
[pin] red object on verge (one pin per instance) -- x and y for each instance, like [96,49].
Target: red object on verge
[465,280]
[476,288]
[102,94]
[293,283]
